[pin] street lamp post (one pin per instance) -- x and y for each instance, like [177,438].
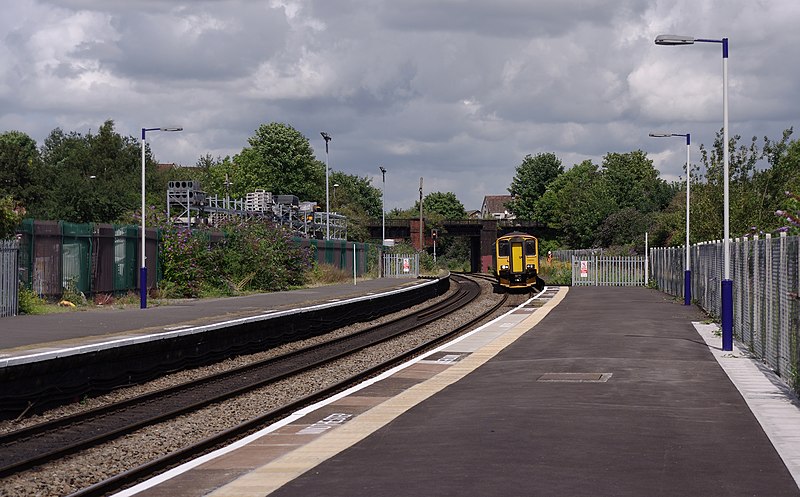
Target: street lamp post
[327,138]
[727,283]
[383,218]
[687,273]
[383,206]
[143,270]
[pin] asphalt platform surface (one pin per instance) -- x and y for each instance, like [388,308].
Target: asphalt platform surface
[18,333]
[667,421]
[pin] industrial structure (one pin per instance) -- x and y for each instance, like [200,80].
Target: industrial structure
[187,204]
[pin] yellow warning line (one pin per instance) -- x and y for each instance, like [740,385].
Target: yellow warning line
[268,478]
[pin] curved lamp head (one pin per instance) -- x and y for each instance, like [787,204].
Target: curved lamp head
[674,40]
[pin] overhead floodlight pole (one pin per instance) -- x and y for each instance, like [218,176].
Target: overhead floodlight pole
[383,206]
[327,138]
[726,311]
[143,269]
[687,271]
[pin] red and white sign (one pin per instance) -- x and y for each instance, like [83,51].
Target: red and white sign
[584,269]
[406,265]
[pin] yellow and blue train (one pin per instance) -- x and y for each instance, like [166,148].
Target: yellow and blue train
[516,261]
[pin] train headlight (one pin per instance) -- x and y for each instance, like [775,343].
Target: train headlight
[504,267]
[529,266]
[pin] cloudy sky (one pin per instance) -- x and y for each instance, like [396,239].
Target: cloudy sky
[455,91]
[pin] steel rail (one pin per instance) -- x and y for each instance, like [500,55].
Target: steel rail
[22,449]
[149,469]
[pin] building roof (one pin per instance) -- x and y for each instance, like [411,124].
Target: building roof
[495,206]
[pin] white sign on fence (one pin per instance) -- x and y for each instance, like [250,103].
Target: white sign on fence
[584,269]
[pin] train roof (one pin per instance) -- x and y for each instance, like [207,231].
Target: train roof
[516,234]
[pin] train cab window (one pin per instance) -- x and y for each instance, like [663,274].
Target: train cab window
[502,248]
[530,247]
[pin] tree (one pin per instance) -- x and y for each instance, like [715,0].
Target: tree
[212,174]
[745,199]
[531,181]
[10,216]
[20,169]
[95,178]
[634,183]
[445,205]
[280,160]
[623,227]
[577,203]
[356,198]
[782,176]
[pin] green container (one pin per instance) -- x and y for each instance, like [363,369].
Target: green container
[76,263]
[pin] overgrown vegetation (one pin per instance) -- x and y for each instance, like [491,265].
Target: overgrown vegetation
[30,303]
[254,255]
[555,272]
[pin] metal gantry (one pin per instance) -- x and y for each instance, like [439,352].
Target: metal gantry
[189,206]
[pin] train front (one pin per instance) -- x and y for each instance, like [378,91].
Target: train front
[517,260]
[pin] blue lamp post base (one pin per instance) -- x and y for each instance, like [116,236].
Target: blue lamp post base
[727,315]
[143,288]
[687,287]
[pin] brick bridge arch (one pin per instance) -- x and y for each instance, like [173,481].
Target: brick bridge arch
[481,234]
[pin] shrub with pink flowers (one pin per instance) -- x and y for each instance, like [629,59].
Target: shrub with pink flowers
[791,214]
[252,255]
[183,259]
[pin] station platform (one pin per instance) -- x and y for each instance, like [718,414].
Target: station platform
[600,391]
[41,337]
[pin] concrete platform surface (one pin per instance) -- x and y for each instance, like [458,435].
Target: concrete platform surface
[608,392]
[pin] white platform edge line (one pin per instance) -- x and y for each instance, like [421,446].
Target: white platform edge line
[121,342]
[183,468]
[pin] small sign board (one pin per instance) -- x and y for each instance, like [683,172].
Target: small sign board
[584,269]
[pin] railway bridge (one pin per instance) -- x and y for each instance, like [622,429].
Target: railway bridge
[481,233]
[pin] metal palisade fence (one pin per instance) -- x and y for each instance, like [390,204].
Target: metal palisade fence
[766,283]
[400,265]
[9,277]
[593,270]
[55,256]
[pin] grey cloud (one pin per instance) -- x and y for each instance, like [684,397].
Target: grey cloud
[457,91]
[163,46]
[501,18]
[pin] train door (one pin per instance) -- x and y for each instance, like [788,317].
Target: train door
[517,259]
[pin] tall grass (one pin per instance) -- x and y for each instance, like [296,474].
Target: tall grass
[555,272]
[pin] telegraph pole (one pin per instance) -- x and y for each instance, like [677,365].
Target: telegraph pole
[421,246]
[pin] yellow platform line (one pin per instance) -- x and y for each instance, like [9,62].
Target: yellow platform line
[268,478]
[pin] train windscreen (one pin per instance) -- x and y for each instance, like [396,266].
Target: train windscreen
[502,248]
[530,247]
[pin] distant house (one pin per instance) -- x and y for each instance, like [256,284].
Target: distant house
[495,207]
[474,214]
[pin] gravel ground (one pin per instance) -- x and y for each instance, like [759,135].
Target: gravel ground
[81,470]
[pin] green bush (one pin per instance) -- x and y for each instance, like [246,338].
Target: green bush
[29,302]
[255,255]
[183,254]
[555,272]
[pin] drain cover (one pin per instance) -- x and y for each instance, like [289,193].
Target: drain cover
[575,377]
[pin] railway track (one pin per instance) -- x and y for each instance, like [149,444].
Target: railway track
[37,445]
